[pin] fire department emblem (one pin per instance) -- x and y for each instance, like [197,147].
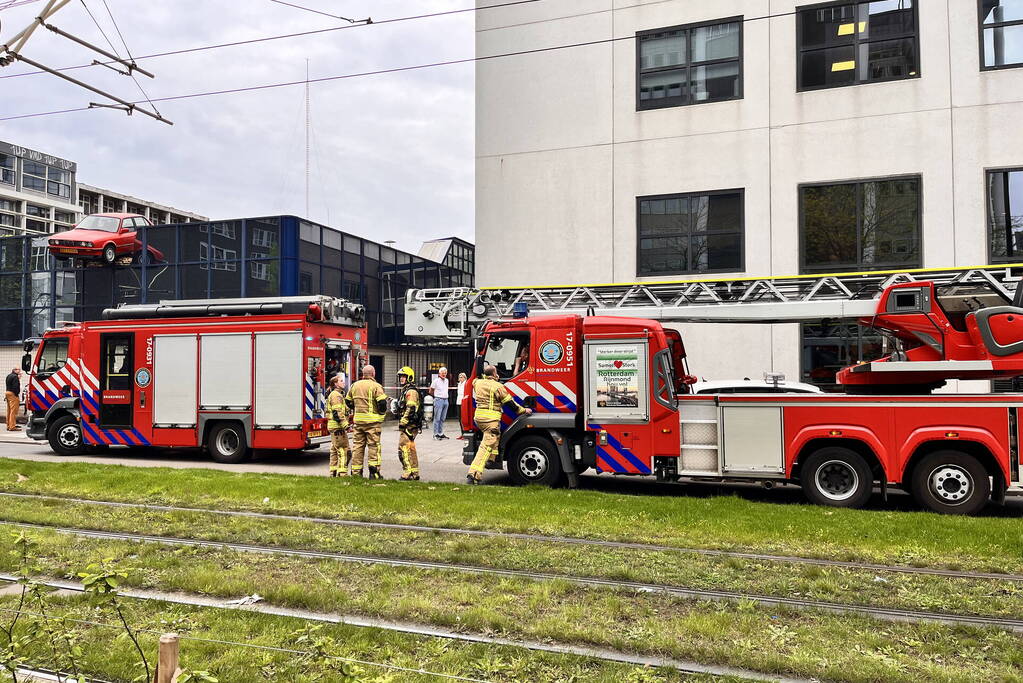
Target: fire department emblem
[551,352]
[143,377]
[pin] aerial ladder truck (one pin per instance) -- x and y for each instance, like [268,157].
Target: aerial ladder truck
[609,384]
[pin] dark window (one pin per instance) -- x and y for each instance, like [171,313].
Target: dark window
[1005,214]
[305,283]
[53,355]
[689,64]
[690,233]
[863,42]
[866,225]
[829,348]
[7,169]
[1001,33]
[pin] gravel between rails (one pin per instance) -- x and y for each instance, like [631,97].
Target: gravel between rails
[791,559]
[890,614]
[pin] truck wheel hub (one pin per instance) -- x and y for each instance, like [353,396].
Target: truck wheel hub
[951,484]
[533,463]
[69,436]
[837,480]
[227,442]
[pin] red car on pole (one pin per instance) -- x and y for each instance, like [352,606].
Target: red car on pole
[104,237]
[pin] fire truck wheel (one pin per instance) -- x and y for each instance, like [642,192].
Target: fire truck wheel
[227,443]
[65,435]
[534,460]
[109,254]
[838,477]
[951,482]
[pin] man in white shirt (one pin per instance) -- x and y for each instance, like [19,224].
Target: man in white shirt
[439,391]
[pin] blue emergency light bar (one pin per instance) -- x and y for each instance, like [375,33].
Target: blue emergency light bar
[520,309]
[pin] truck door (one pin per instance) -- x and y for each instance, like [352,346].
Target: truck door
[117,367]
[511,353]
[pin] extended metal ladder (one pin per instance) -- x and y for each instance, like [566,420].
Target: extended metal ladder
[460,312]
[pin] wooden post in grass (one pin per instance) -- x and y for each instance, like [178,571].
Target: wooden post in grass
[167,670]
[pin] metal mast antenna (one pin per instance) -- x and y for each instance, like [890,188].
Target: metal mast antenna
[307,138]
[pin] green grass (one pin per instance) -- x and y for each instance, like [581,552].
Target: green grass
[922,538]
[771,640]
[112,658]
[832,584]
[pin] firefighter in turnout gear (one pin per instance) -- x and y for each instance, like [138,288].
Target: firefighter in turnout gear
[490,397]
[368,400]
[337,426]
[410,422]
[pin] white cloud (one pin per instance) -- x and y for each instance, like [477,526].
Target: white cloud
[393,154]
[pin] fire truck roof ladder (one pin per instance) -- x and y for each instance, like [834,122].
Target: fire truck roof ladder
[460,312]
[332,309]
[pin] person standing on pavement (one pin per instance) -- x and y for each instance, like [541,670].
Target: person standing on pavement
[368,400]
[459,397]
[337,426]
[13,396]
[410,422]
[439,390]
[491,397]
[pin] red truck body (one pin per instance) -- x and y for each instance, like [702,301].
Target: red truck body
[611,394]
[174,381]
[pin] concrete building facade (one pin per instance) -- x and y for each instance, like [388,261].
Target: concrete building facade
[97,200]
[646,140]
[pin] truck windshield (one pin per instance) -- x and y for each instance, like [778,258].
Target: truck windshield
[53,355]
[956,300]
[104,223]
[508,352]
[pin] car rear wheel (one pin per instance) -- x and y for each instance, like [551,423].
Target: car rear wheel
[65,436]
[951,482]
[837,476]
[109,254]
[226,442]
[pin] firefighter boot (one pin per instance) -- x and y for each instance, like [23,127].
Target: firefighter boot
[473,480]
[374,473]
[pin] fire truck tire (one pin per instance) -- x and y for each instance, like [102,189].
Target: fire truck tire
[109,254]
[226,442]
[65,436]
[534,460]
[951,482]
[838,477]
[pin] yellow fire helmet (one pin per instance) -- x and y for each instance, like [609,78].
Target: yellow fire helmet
[408,372]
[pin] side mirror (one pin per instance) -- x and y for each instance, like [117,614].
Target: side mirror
[26,362]
[529,402]
[28,345]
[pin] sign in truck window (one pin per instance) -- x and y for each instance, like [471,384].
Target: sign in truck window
[616,370]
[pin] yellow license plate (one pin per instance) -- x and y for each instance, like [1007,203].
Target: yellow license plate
[313,435]
[67,251]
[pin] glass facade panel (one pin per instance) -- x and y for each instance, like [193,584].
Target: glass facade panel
[1005,214]
[829,348]
[689,65]
[11,294]
[1003,45]
[695,233]
[264,278]
[11,326]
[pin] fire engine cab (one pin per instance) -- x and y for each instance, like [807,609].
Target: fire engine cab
[610,392]
[228,375]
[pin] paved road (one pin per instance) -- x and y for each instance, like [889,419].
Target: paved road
[440,461]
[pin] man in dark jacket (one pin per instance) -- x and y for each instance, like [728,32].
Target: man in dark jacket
[13,399]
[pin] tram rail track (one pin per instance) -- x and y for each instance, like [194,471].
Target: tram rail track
[540,538]
[885,613]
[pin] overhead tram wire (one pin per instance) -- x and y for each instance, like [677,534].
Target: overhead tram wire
[285,36]
[362,74]
[131,59]
[326,14]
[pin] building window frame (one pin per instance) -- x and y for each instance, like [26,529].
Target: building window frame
[859,266]
[857,41]
[689,235]
[981,27]
[647,105]
[989,218]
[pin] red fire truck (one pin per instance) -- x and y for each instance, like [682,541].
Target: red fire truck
[228,375]
[610,392]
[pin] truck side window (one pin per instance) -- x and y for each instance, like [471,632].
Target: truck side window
[509,353]
[119,364]
[53,355]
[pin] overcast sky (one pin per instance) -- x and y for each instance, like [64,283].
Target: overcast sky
[392,154]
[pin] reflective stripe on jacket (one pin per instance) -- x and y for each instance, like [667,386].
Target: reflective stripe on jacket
[490,396]
[364,394]
[336,402]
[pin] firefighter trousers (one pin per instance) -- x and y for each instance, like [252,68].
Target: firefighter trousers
[340,452]
[407,451]
[487,451]
[367,436]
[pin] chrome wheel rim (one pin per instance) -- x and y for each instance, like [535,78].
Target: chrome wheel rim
[951,484]
[533,463]
[228,442]
[837,480]
[69,436]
